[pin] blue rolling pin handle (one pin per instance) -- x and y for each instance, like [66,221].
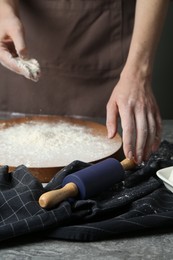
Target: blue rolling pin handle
[96,178]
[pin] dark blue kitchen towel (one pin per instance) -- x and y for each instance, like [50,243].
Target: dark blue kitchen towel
[140,202]
[20,212]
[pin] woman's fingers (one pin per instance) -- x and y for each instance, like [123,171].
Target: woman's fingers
[142,134]
[7,60]
[29,68]
[152,128]
[112,119]
[129,131]
[140,120]
[158,134]
[13,50]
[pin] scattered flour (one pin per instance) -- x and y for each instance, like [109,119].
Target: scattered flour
[45,144]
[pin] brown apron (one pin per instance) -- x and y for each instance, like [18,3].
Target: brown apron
[81,46]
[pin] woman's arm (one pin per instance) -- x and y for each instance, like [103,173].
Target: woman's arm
[132,98]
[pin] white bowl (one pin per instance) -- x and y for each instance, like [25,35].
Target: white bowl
[166,175]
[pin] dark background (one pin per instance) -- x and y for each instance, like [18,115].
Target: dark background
[163,69]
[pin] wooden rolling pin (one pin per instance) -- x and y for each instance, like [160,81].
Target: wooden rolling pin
[88,182]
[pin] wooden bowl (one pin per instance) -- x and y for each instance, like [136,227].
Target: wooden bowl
[45,171]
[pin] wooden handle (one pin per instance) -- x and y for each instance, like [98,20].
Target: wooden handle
[128,164]
[52,198]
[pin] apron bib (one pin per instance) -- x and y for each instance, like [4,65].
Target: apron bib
[81,46]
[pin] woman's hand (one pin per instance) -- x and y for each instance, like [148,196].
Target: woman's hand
[134,101]
[133,98]
[12,39]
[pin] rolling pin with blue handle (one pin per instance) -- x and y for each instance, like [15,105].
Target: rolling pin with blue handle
[88,182]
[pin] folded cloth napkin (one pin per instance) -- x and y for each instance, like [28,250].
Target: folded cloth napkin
[140,202]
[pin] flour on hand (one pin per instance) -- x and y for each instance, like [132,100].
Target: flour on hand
[29,68]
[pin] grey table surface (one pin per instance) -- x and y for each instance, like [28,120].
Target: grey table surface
[146,245]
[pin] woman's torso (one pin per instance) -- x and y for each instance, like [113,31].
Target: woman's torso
[81,46]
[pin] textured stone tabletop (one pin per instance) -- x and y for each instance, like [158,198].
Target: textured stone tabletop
[146,245]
